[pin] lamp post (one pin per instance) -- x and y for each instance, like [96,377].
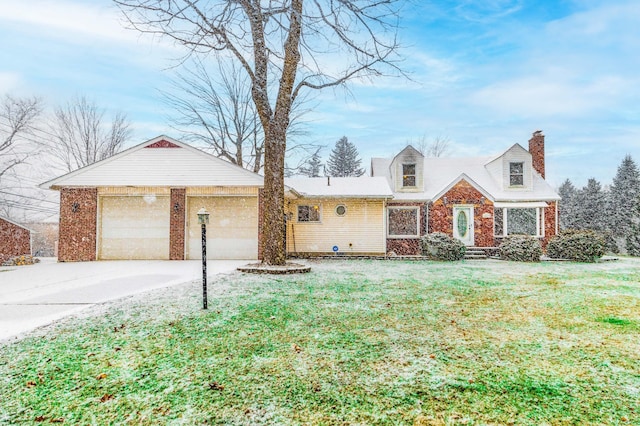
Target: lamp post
[203,220]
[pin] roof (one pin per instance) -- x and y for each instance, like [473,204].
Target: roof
[14,223]
[161,161]
[341,187]
[440,174]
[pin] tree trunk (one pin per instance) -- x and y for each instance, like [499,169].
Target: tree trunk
[273,247]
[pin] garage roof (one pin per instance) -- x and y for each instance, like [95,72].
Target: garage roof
[161,161]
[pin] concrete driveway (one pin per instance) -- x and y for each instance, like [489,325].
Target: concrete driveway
[36,295]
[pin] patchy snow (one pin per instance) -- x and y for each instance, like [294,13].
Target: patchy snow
[36,295]
[344,187]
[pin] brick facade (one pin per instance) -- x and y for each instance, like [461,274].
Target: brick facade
[78,224]
[177,225]
[14,240]
[550,225]
[408,246]
[536,149]
[441,213]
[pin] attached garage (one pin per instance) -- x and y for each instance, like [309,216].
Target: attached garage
[133,227]
[232,232]
[142,203]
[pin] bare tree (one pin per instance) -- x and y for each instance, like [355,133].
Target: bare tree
[80,135]
[17,123]
[218,113]
[437,147]
[284,48]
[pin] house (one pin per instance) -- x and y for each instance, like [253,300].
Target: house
[477,200]
[15,240]
[142,204]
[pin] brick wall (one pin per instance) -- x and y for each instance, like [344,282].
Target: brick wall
[441,214]
[536,149]
[177,223]
[14,240]
[78,222]
[408,246]
[549,223]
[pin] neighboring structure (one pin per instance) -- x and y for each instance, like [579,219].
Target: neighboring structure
[15,240]
[142,204]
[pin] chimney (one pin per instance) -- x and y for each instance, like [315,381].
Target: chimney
[536,149]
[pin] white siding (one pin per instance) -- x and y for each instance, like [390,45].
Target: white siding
[360,230]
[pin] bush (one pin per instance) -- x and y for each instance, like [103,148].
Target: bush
[521,248]
[579,245]
[440,246]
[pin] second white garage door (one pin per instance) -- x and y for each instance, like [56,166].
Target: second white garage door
[134,227]
[232,232]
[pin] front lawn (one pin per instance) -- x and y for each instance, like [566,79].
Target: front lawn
[353,342]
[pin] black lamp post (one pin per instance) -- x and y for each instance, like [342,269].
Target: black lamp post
[203,220]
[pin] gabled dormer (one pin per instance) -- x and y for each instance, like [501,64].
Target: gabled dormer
[513,170]
[407,171]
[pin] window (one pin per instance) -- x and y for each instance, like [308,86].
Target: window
[341,209]
[408,175]
[516,174]
[310,213]
[403,222]
[527,221]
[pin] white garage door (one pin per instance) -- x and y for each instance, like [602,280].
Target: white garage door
[134,227]
[232,232]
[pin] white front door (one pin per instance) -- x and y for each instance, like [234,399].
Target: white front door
[463,224]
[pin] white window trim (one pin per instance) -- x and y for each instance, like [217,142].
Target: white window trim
[417,209]
[505,221]
[415,175]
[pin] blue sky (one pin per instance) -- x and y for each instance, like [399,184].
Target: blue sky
[484,74]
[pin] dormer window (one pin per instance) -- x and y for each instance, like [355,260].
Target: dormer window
[516,174]
[408,175]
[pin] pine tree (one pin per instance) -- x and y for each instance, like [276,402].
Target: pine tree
[343,160]
[591,207]
[313,165]
[624,194]
[567,205]
[632,239]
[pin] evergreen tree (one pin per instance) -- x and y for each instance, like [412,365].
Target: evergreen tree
[313,165]
[343,160]
[632,239]
[567,205]
[591,207]
[623,201]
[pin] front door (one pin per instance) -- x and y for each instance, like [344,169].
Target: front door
[463,224]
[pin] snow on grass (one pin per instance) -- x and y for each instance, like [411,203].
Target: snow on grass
[352,342]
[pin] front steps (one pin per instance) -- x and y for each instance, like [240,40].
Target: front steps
[479,253]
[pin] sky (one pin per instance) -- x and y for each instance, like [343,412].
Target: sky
[484,75]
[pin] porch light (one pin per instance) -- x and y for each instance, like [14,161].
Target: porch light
[203,216]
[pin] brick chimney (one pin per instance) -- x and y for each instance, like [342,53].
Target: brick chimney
[536,148]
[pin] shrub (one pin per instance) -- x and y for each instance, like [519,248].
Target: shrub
[579,245]
[521,248]
[440,246]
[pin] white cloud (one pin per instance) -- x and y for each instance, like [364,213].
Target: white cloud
[9,81]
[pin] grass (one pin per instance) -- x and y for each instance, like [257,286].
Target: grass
[352,343]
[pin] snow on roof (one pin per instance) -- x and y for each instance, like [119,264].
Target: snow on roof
[341,187]
[168,163]
[442,173]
